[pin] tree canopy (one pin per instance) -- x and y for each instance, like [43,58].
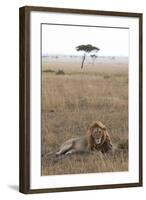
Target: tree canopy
[88,48]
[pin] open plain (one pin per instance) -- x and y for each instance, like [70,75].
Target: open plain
[73,98]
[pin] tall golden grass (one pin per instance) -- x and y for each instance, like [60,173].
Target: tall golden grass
[71,102]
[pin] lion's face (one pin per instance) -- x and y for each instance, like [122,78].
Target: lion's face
[99,137]
[97,134]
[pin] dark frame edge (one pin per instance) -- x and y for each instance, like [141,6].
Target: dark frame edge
[24,101]
[81,11]
[83,188]
[141,99]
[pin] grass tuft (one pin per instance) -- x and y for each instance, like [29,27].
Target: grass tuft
[60,72]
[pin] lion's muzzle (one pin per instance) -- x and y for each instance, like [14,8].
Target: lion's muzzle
[98,141]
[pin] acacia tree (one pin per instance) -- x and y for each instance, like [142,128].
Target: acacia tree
[87,49]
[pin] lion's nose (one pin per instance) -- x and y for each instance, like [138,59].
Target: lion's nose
[98,141]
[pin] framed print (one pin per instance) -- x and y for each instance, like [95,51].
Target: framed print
[80,99]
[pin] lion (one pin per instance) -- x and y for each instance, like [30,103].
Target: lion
[96,139]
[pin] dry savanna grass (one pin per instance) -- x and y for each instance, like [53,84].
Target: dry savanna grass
[71,101]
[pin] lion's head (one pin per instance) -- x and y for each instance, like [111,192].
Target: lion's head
[99,138]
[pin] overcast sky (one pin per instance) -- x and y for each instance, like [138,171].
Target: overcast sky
[58,39]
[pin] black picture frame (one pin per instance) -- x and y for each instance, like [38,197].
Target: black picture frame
[24,77]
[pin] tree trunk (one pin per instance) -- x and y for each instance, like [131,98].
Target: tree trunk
[83,61]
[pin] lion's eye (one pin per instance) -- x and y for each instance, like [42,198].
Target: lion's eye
[95,131]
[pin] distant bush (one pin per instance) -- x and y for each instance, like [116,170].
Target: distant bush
[60,72]
[49,70]
[106,76]
[123,144]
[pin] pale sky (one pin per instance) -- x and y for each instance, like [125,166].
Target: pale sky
[58,39]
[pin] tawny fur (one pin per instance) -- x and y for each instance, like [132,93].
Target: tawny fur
[96,139]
